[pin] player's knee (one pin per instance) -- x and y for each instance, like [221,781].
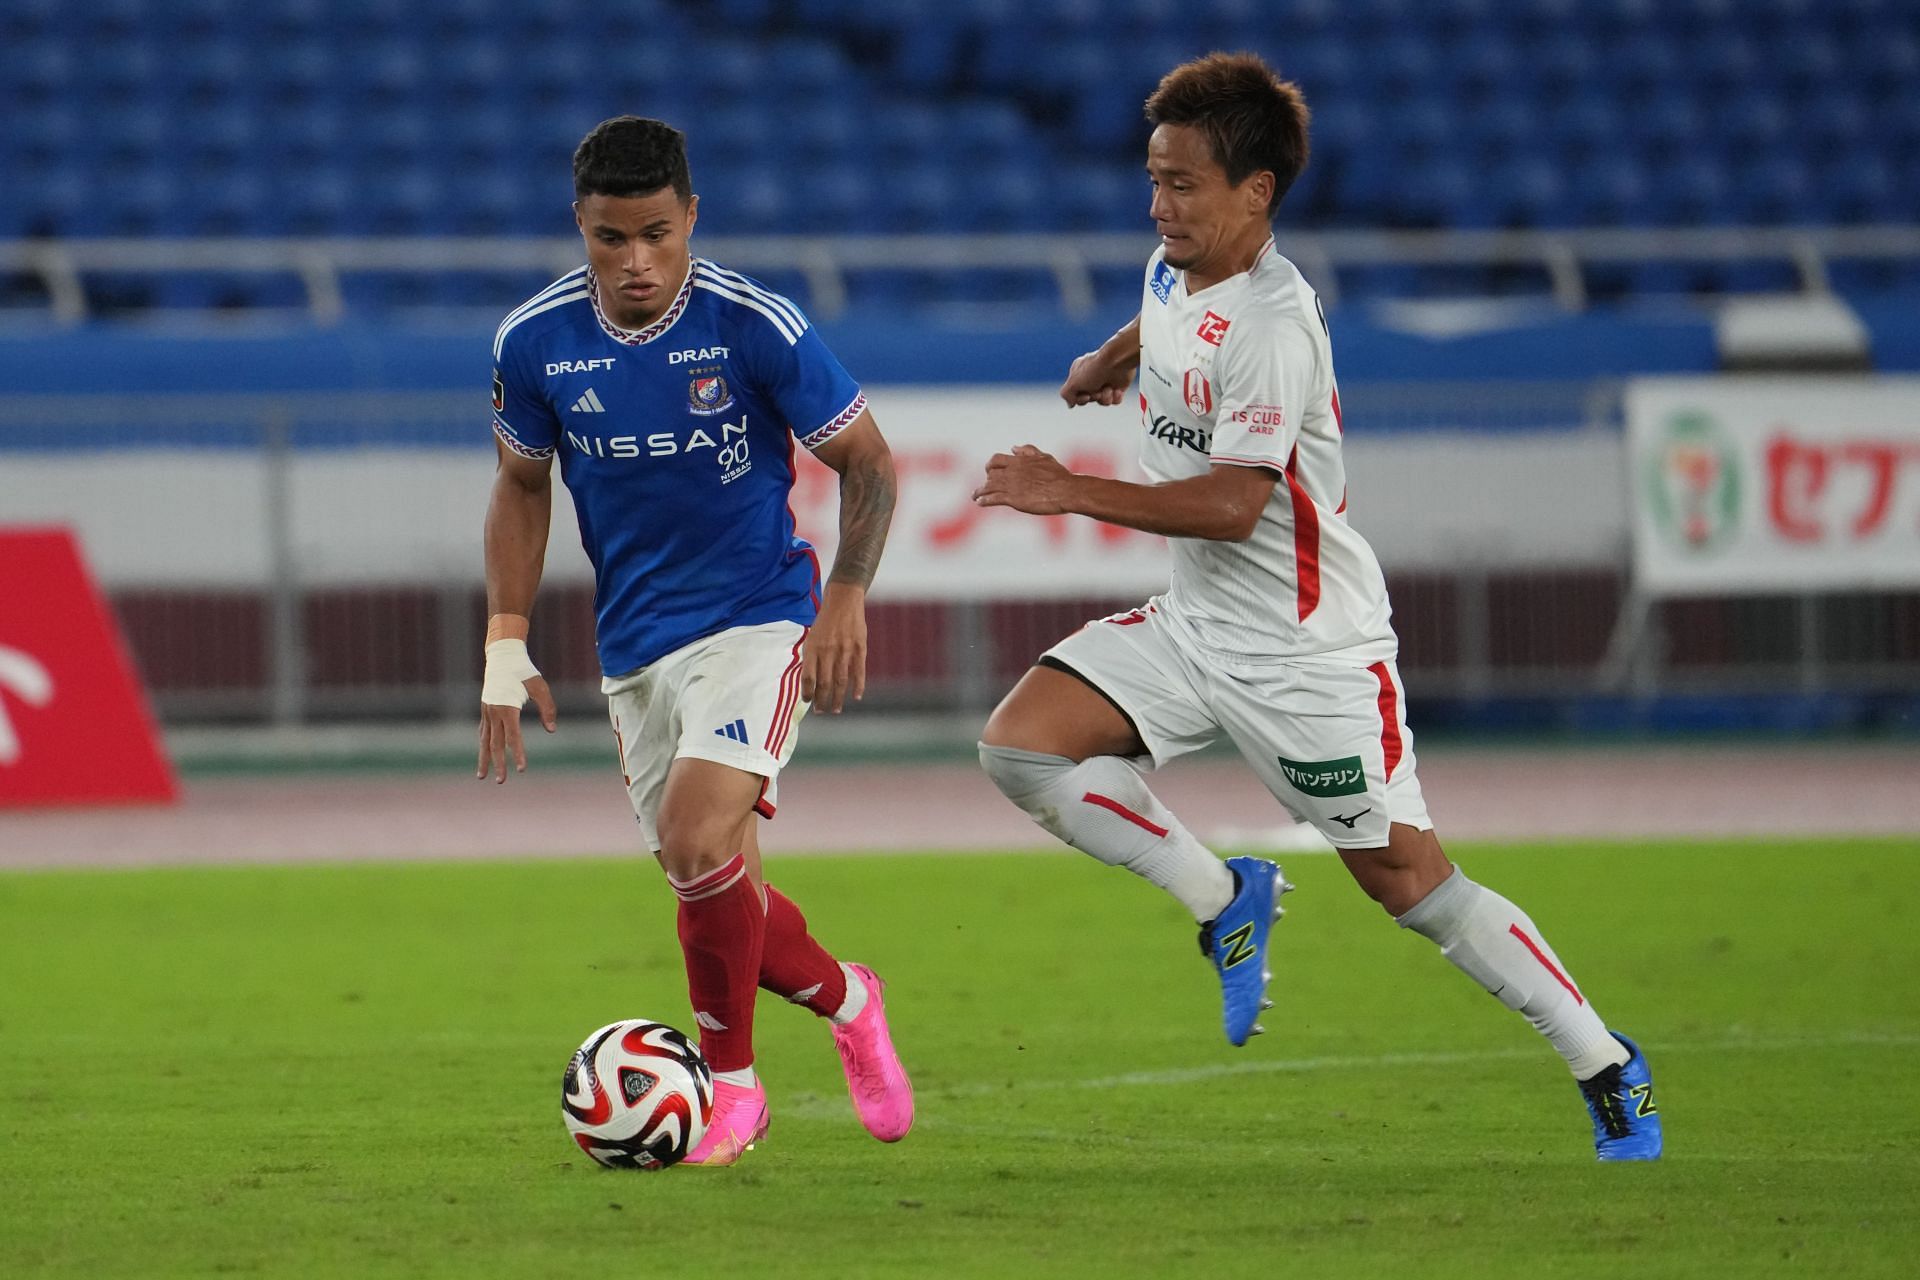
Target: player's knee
[1022,776]
[693,844]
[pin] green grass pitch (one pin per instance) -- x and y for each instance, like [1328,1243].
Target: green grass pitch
[355,1071]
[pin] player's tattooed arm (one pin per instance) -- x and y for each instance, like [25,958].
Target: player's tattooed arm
[834,664]
[868,491]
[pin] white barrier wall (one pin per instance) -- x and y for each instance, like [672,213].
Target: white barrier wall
[1774,484]
[1435,500]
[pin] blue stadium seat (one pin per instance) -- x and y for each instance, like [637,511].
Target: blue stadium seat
[1670,122]
[918,197]
[826,128]
[902,130]
[1773,189]
[390,116]
[1094,197]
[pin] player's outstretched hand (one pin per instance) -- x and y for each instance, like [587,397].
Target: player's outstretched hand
[1027,479]
[1093,380]
[511,679]
[834,662]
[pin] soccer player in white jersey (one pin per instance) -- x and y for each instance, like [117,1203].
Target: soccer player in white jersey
[1275,628]
[673,392]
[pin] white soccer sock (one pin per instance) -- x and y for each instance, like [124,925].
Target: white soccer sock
[856,998]
[1494,943]
[744,1077]
[1101,806]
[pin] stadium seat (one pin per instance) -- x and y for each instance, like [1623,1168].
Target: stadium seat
[358,117]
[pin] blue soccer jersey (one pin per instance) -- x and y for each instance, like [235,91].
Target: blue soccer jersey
[676,442]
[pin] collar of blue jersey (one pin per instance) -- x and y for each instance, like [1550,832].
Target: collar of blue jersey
[635,337]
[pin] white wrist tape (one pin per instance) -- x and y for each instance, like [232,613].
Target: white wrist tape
[508,669]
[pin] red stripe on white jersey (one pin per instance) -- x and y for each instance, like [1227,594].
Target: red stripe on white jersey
[1545,963]
[1390,747]
[1114,806]
[1339,423]
[1306,547]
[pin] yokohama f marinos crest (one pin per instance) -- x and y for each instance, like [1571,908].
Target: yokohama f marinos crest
[1692,478]
[709,395]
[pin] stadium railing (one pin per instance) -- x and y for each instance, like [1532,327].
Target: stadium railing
[59,272]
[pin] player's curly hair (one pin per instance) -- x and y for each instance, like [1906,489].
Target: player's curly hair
[1252,118]
[631,156]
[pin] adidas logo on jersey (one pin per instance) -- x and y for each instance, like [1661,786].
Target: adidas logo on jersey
[736,732]
[589,403]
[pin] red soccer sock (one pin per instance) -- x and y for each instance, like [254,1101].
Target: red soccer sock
[721,932]
[795,967]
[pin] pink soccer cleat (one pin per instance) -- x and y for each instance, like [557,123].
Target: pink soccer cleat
[882,1094]
[739,1121]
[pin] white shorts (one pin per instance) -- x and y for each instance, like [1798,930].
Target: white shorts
[733,698]
[1328,739]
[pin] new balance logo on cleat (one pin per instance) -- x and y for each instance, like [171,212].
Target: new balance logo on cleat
[735,732]
[589,403]
[1237,947]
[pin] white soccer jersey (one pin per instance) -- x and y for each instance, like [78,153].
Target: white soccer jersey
[1242,373]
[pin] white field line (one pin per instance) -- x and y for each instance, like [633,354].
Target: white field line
[817,1109]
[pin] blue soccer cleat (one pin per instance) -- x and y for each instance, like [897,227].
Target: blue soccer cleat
[1236,942]
[1626,1124]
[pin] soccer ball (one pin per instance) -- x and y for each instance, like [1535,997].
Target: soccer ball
[637,1095]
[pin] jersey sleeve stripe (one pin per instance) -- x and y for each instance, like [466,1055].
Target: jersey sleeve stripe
[827,431]
[512,322]
[766,295]
[502,430]
[1271,464]
[562,285]
[775,318]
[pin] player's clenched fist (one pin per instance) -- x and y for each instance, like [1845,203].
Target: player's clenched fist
[1027,480]
[1094,379]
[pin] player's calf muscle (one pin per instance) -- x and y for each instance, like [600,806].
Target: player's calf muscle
[1409,867]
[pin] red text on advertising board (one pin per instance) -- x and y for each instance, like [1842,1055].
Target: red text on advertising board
[1802,477]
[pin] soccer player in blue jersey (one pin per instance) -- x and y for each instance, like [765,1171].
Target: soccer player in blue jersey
[673,391]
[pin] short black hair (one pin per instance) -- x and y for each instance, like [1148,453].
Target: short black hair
[1252,118]
[632,156]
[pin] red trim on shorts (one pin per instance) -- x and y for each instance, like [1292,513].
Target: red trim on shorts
[1390,746]
[787,699]
[1114,806]
[761,804]
[1339,424]
[1306,542]
[1545,963]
